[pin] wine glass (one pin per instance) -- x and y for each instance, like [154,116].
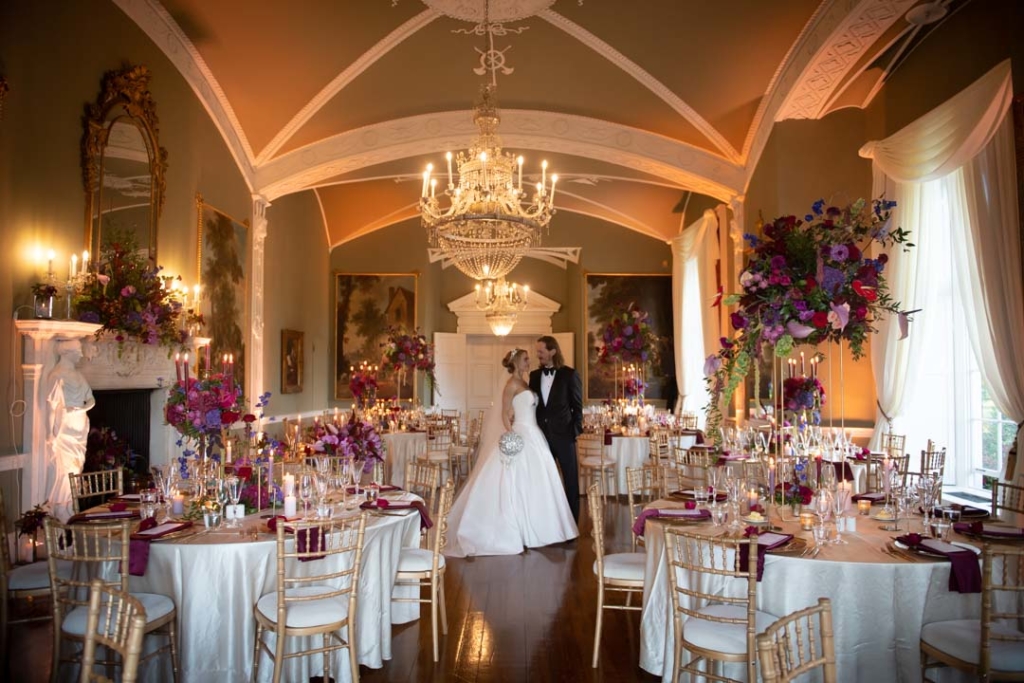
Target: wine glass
[234,490]
[840,498]
[823,505]
[827,479]
[306,484]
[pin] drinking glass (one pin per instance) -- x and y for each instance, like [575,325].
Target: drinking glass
[951,516]
[147,503]
[306,484]
[715,479]
[828,476]
[823,505]
[820,532]
[840,498]
[718,514]
[234,489]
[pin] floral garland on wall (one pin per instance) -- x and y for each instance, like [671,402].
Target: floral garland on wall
[806,282]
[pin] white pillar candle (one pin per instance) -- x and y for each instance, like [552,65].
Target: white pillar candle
[178,504]
[289,484]
[289,506]
[74,265]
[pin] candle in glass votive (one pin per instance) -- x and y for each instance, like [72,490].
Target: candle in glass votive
[864,507]
[806,520]
[289,506]
[178,504]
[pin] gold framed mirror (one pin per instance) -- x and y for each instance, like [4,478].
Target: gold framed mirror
[123,164]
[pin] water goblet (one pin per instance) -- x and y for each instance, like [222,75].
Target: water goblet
[718,514]
[840,498]
[234,489]
[823,505]
[306,484]
[820,532]
[147,503]
[951,516]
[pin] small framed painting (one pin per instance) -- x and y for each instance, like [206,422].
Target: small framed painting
[292,361]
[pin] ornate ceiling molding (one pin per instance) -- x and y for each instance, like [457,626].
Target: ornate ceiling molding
[558,256]
[161,28]
[683,165]
[645,79]
[863,25]
[364,62]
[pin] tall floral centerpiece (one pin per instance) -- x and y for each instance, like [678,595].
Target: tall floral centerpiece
[363,384]
[629,340]
[807,281]
[403,352]
[802,395]
[355,439]
[128,297]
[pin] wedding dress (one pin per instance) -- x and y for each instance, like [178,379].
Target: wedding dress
[505,508]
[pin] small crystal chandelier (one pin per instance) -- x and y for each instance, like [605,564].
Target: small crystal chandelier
[502,301]
[490,221]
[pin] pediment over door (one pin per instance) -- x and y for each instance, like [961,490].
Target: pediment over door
[534,319]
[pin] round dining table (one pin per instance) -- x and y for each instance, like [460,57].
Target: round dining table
[216,576]
[880,599]
[402,447]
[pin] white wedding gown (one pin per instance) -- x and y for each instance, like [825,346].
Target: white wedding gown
[503,509]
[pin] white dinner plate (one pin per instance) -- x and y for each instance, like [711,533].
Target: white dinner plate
[750,520]
[958,544]
[883,519]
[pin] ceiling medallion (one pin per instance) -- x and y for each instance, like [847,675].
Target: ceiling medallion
[490,221]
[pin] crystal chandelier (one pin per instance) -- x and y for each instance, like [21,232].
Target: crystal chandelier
[502,301]
[490,221]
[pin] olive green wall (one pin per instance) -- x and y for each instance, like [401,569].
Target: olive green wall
[295,299]
[402,248]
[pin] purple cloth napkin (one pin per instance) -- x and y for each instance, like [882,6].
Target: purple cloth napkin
[384,504]
[765,542]
[964,570]
[876,497]
[103,515]
[979,529]
[607,438]
[641,519]
[308,540]
[138,546]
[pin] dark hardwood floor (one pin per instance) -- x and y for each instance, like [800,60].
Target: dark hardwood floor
[527,617]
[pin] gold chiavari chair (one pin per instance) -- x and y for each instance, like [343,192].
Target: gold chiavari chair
[102,484]
[688,421]
[116,621]
[460,453]
[22,582]
[711,626]
[641,488]
[423,478]
[424,568]
[438,453]
[317,591]
[692,466]
[594,464]
[660,455]
[893,443]
[619,572]
[933,460]
[876,470]
[797,644]
[988,648]
[1007,497]
[98,550]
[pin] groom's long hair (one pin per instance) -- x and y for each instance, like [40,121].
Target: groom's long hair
[558,360]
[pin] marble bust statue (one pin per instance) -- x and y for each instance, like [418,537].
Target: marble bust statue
[69,397]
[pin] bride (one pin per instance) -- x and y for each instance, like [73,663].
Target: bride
[519,502]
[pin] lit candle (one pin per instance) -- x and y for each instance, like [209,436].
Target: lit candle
[85,261]
[196,291]
[289,506]
[74,265]
[178,504]
[554,179]
[185,366]
[519,160]
[864,507]
[803,369]
[50,255]
[426,181]
[543,174]
[448,156]
[806,521]
[771,477]
[289,484]
[229,451]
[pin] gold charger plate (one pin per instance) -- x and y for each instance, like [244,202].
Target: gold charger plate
[796,546]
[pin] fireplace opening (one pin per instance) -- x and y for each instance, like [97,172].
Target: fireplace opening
[119,433]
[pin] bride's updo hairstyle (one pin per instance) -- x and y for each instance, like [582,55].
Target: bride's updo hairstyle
[510,360]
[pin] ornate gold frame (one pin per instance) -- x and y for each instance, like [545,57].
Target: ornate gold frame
[126,89]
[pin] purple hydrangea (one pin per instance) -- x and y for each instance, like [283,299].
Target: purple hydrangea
[839,252]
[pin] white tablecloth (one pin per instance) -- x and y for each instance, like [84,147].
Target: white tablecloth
[879,603]
[216,579]
[627,451]
[403,447]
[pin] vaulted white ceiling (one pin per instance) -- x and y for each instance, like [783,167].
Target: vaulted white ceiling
[634,104]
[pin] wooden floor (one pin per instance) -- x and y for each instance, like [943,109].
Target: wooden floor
[527,617]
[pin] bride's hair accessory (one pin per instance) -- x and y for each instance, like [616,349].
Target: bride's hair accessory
[510,445]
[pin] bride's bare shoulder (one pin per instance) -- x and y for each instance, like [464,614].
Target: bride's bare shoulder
[516,386]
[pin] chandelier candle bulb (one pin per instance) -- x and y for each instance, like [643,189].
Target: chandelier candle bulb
[433,186]
[519,161]
[74,266]
[554,179]
[483,169]
[426,180]
[448,157]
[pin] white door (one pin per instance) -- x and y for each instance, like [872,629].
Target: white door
[484,374]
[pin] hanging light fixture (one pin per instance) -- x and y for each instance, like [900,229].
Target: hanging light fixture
[503,301]
[490,220]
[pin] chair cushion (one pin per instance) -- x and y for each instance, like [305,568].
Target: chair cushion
[156,606]
[418,560]
[308,612]
[624,566]
[437,456]
[961,638]
[597,461]
[727,638]
[35,576]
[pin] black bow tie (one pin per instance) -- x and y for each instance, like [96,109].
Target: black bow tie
[548,371]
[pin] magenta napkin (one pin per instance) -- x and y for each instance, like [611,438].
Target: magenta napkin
[979,529]
[138,546]
[876,497]
[384,504]
[310,540]
[964,571]
[641,519]
[607,438]
[765,542]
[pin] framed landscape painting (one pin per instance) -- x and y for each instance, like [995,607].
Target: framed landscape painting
[366,305]
[224,258]
[292,361]
[605,296]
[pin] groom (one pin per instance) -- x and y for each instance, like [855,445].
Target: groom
[560,413]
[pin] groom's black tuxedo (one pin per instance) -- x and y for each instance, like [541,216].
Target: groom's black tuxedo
[561,420]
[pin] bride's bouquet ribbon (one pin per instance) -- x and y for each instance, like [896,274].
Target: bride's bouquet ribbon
[384,504]
[655,513]
[964,570]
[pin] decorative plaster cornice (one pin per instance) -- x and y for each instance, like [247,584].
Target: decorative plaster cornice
[349,74]
[645,79]
[681,164]
[863,24]
[165,33]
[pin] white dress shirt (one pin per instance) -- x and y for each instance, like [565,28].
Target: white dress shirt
[545,384]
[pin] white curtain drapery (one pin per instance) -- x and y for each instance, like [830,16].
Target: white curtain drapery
[968,144]
[694,253]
